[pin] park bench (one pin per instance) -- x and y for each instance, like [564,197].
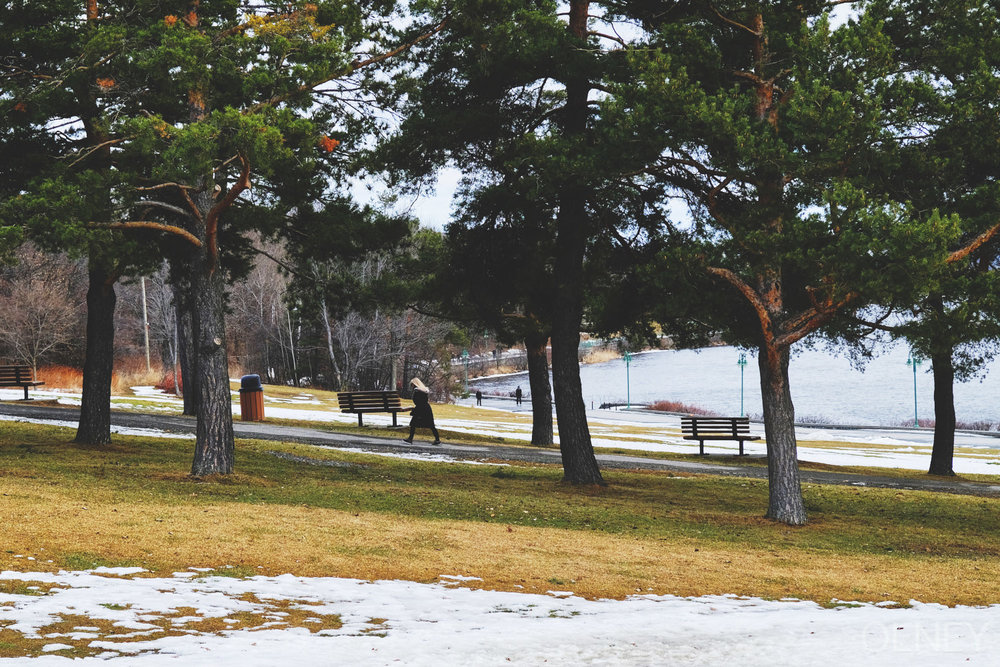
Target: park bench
[361,402]
[716,428]
[18,376]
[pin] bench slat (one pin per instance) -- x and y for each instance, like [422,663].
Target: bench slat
[360,402]
[18,375]
[716,428]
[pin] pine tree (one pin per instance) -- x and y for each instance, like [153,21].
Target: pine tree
[782,131]
[950,167]
[516,93]
[212,117]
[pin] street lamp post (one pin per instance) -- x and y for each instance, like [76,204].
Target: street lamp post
[914,361]
[465,358]
[742,363]
[628,384]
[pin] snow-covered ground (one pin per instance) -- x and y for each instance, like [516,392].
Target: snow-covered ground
[136,620]
[140,620]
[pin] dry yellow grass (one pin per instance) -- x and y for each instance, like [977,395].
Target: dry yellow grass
[599,354]
[309,541]
[133,504]
[127,374]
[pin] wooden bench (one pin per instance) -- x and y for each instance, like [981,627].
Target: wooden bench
[361,402]
[18,376]
[716,428]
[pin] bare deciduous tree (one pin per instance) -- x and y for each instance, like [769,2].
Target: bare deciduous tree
[41,306]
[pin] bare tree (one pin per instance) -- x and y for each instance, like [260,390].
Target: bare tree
[258,320]
[41,306]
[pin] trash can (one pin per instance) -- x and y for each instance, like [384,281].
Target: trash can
[251,399]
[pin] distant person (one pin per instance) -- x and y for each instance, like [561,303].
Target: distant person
[479,397]
[422,416]
[517,395]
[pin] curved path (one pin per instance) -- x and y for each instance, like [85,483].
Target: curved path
[394,443]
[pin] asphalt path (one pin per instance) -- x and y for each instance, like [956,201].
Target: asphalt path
[394,444]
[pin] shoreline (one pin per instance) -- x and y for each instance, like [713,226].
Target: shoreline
[826,388]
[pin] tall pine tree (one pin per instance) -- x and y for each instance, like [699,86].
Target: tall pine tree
[516,93]
[212,117]
[781,133]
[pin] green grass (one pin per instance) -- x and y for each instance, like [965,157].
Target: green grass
[88,561]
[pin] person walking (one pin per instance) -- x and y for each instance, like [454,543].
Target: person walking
[517,394]
[422,416]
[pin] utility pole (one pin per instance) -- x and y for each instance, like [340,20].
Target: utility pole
[145,322]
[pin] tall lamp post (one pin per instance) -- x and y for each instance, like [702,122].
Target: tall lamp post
[914,361]
[628,384]
[465,358]
[742,363]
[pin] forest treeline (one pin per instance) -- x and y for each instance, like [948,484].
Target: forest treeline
[43,319]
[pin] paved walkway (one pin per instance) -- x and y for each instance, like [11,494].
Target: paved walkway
[394,443]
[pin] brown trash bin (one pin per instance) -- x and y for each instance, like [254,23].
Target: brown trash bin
[251,399]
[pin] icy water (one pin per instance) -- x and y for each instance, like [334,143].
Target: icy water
[825,388]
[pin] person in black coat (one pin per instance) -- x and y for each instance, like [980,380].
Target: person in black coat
[422,416]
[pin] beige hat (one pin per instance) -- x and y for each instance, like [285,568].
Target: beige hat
[419,386]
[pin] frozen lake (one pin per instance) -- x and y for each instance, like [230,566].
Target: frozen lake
[825,388]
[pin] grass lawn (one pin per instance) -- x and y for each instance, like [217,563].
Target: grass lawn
[322,401]
[518,528]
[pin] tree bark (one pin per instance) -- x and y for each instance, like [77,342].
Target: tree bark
[185,350]
[943,451]
[579,463]
[541,391]
[94,427]
[215,443]
[784,489]
[98,366]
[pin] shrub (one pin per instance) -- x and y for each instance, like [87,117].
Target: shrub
[676,406]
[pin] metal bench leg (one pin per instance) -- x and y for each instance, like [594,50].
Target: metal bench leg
[360,424]
[741,448]
[25,392]
[394,420]
[701,448]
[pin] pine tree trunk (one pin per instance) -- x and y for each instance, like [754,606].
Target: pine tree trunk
[784,489]
[943,451]
[95,407]
[541,391]
[215,443]
[94,427]
[579,463]
[185,353]
[215,446]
